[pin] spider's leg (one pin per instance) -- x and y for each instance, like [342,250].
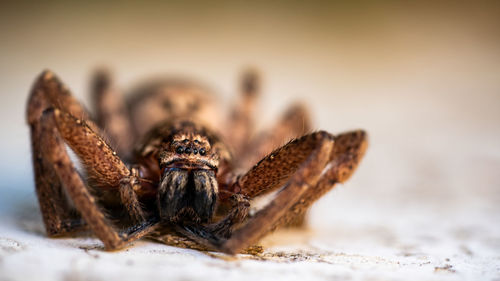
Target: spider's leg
[112,113]
[347,152]
[129,198]
[240,125]
[275,169]
[297,167]
[48,92]
[58,215]
[55,153]
[345,156]
[103,167]
[81,134]
[294,122]
[237,214]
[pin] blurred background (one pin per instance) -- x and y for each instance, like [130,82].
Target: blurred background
[422,78]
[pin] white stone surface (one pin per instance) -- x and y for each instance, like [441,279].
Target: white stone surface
[360,240]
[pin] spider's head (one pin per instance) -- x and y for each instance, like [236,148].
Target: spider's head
[188,187]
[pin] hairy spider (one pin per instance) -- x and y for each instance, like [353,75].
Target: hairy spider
[180,177]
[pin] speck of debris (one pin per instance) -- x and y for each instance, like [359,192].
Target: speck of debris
[466,250]
[87,250]
[445,268]
[8,245]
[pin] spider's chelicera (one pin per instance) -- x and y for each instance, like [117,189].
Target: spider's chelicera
[162,163]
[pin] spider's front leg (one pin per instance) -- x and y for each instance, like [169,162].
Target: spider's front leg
[58,215]
[308,167]
[112,171]
[342,160]
[297,166]
[50,129]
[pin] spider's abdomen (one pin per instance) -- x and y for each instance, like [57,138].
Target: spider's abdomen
[157,101]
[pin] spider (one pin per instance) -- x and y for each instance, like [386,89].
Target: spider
[160,163]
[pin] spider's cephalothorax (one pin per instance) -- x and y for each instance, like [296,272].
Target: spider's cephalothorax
[180,179]
[188,188]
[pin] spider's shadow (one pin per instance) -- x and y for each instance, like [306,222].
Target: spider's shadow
[19,209]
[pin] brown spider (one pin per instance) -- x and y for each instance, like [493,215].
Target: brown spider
[182,179]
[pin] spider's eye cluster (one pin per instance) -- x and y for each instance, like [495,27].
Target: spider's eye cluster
[188,149]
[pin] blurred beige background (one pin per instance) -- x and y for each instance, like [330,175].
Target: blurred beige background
[422,78]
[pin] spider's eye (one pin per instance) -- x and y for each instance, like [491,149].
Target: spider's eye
[185,141]
[195,151]
[187,150]
[179,149]
[202,151]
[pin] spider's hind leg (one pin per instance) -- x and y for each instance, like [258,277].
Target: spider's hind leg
[112,112]
[241,122]
[293,123]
